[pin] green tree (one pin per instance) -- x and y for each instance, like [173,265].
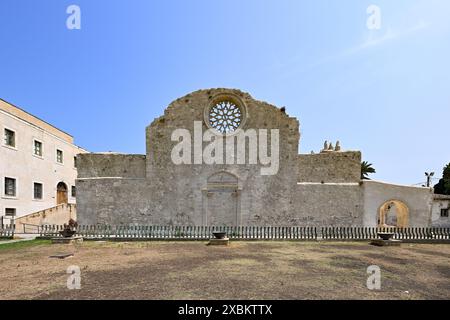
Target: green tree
[443,187]
[366,169]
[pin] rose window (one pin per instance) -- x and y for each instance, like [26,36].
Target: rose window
[225,117]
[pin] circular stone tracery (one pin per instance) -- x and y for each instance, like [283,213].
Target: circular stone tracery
[225,116]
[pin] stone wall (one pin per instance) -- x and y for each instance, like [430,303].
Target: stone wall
[179,194]
[330,167]
[110,165]
[118,201]
[328,205]
[308,190]
[260,199]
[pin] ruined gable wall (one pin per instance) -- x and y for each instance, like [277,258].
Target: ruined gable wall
[121,189]
[262,198]
[175,194]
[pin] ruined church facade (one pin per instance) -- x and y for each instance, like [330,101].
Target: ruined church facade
[322,189]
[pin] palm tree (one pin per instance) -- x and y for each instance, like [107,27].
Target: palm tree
[366,169]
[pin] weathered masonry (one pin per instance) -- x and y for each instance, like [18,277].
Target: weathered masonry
[322,189]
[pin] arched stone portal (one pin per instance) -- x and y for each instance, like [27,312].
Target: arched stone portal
[221,200]
[393,213]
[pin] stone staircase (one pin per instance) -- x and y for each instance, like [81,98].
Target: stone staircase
[52,216]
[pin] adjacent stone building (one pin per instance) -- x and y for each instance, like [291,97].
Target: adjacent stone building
[186,180]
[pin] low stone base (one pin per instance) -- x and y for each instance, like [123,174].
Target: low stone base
[67,240]
[385,243]
[61,256]
[219,242]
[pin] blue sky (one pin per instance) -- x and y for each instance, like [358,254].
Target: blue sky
[385,92]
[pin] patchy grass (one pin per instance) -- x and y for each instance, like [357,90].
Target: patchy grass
[22,244]
[244,270]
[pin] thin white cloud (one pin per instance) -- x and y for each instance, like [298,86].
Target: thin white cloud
[390,34]
[372,41]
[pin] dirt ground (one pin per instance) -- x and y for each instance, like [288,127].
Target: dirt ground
[244,270]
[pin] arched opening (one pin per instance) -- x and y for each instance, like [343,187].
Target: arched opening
[221,200]
[222,178]
[393,213]
[61,193]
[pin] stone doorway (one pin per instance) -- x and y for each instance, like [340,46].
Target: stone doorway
[61,193]
[221,200]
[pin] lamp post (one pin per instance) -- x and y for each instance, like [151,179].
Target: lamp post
[429,176]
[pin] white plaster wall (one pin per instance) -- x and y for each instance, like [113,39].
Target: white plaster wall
[419,201]
[21,163]
[440,202]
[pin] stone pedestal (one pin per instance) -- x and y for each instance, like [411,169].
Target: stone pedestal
[385,243]
[219,242]
[61,256]
[67,240]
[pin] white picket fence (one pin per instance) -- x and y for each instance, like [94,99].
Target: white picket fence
[247,233]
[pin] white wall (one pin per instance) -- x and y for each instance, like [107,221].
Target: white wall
[440,202]
[418,200]
[21,163]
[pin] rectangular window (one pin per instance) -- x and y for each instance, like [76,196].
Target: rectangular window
[74,191]
[10,138]
[10,187]
[59,156]
[37,148]
[74,162]
[38,188]
[10,212]
[444,213]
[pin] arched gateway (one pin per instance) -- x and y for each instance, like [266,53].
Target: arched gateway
[393,213]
